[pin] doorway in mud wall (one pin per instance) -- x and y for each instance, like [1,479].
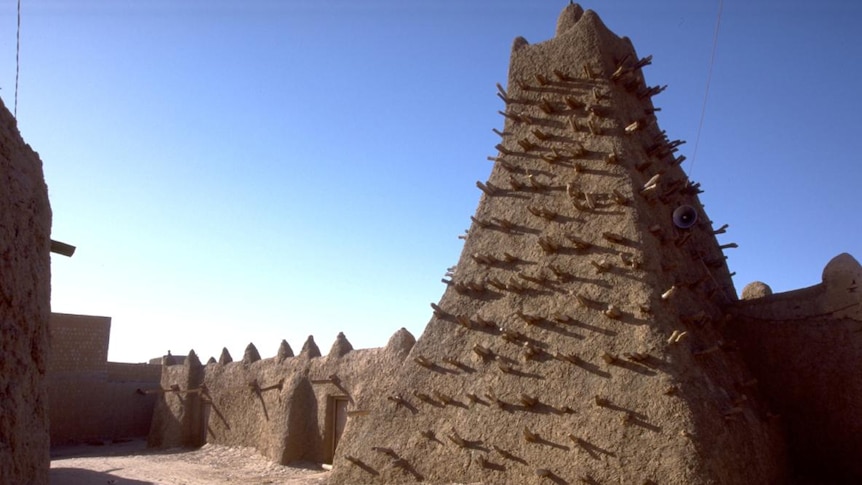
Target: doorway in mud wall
[206,409]
[338,407]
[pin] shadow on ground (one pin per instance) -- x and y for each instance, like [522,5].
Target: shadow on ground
[115,448]
[80,476]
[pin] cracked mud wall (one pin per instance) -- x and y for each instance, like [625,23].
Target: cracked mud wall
[25,306]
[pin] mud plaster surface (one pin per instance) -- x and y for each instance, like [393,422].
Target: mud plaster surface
[25,296]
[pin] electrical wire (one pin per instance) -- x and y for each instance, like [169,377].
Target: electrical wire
[706,93]
[17,59]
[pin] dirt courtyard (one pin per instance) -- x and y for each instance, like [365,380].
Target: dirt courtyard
[131,463]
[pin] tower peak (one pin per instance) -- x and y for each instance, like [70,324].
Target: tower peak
[568,17]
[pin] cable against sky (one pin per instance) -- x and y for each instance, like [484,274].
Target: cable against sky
[706,92]
[17,59]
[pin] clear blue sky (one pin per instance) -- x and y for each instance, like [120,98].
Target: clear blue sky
[236,172]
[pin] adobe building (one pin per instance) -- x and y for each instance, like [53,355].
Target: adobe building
[590,333]
[25,306]
[91,400]
[291,408]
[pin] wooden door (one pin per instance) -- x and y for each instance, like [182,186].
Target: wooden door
[206,406]
[339,416]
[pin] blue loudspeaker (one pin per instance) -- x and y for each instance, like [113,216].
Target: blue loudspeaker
[684,216]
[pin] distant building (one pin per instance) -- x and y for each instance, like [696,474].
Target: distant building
[89,398]
[168,359]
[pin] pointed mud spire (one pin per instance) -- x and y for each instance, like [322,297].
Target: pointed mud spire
[284,351]
[251,354]
[192,360]
[309,348]
[340,347]
[401,342]
[518,43]
[211,361]
[225,357]
[568,18]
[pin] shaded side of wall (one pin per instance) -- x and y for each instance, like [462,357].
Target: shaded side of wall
[110,406]
[90,399]
[281,406]
[805,348]
[178,414]
[25,305]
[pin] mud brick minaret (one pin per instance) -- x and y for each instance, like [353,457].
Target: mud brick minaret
[580,337]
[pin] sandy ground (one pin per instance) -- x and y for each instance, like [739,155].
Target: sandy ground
[131,463]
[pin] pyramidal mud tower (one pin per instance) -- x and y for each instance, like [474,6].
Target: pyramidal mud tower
[580,339]
[590,332]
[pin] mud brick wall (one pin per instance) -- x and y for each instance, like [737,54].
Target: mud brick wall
[124,372]
[804,348]
[79,343]
[283,406]
[25,305]
[89,398]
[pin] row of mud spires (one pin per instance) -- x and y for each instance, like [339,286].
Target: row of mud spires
[660,149]
[340,347]
[309,349]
